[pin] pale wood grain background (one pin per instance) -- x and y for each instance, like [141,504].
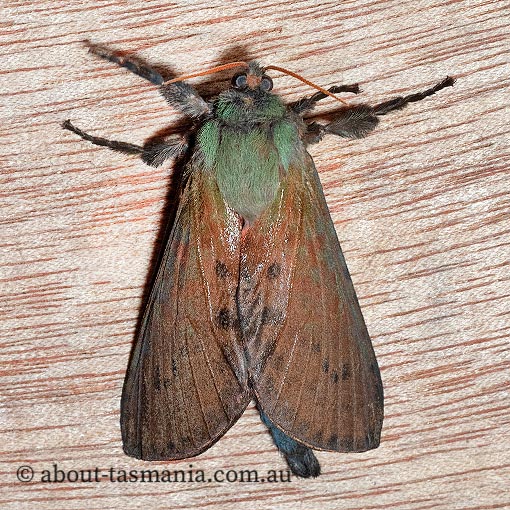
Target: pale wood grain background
[421,208]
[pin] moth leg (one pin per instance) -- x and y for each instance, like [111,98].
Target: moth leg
[180,95]
[185,98]
[350,122]
[152,154]
[155,154]
[300,458]
[130,64]
[400,102]
[126,148]
[358,121]
[306,104]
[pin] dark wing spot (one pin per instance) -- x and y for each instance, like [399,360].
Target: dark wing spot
[223,319]
[174,367]
[278,362]
[317,438]
[221,270]
[347,443]
[271,347]
[270,316]
[245,274]
[157,379]
[346,371]
[346,406]
[334,376]
[274,270]
[333,442]
[379,394]
[325,366]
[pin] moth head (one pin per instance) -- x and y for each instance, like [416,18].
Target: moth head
[253,78]
[253,81]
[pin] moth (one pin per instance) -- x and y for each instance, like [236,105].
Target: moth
[252,299]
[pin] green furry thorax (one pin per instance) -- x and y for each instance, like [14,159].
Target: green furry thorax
[235,107]
[248,145]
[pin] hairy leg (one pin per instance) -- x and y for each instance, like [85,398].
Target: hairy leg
[308,103]
[358,121]
[180,95]
[152,154]
[129,63]
[400,102]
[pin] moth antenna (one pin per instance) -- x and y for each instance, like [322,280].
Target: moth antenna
[308,82]
[216,69]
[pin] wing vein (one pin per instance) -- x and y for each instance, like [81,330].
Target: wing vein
[198,393]
[323,328]
[303,382]
[213,376]
[290,287]
[286,371]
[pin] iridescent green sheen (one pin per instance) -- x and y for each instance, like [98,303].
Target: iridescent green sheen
[248,145]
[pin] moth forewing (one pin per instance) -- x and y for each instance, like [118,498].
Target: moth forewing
[186,384]
[314,371]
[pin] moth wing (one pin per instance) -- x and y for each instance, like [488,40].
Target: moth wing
[311,361]
[187,384]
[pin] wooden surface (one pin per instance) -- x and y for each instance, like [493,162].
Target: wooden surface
[421,208]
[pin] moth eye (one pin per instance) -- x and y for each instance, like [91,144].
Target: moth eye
[266,83]
[239,81]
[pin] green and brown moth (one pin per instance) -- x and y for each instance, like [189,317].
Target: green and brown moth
[252,299]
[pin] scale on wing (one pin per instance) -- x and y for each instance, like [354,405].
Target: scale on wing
[187,381]
[311,361]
